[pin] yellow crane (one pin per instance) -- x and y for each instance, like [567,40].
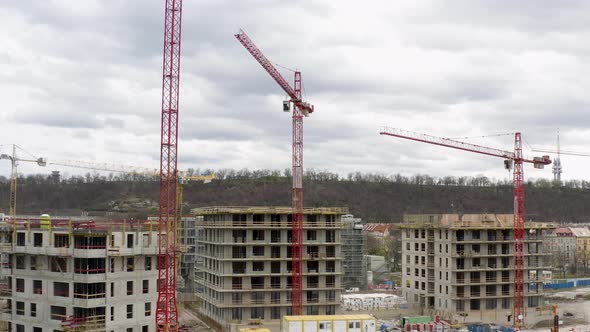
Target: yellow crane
[14,159]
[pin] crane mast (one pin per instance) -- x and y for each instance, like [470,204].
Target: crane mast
[300,110]
[166,309]
[519,213]
[518,232]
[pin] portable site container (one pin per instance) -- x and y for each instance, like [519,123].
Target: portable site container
[329,323]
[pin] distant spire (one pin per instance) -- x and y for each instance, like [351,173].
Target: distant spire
[557,169]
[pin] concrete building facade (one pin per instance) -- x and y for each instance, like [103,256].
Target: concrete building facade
[246,270]
[462,266]
[80,276]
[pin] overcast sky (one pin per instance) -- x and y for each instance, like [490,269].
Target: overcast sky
[82,80]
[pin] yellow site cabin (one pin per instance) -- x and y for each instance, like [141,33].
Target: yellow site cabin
[329,323]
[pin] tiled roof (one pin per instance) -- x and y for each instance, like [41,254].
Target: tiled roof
[377,227]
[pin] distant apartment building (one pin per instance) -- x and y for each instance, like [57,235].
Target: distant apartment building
[354,246]
[582,235]
[63,275]
[462,266]
[246,272]
[561,242]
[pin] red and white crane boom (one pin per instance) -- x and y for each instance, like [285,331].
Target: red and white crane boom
[300,110]
[519,212]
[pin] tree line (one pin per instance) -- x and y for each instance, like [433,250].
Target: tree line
[310,175]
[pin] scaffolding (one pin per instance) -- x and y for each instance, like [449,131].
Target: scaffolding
[354,247]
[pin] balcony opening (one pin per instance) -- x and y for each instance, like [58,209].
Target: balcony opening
[330,281]
[90,241]
[330,266]
[130,241]
[330,219]
[89,265]
[238,252]
[61,289]
[312,281]
[258,266]
[275,219]
[257,282]
[258,251]
[258,235]
[89,291]
[313,251]
[33,262]
[20,239]
[275,297]
[312,296]
[239,235]
[313,266]
[275,236]
[258,218]
[20,262]
[58,313]
[58,264]
[275,267]
[61,240]
[130,264]
[238,267]
[20,285]
[275,252]
[37,287]
[312,235]
[38,239]
[275,282]
[330,236]
[236,282]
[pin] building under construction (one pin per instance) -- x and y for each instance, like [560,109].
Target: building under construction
[462,266]
[247,263]
[354,247]
[64,275]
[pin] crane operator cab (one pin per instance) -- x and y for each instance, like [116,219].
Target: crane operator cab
[286,106]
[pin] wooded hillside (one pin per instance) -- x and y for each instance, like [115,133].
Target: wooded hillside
[375,198]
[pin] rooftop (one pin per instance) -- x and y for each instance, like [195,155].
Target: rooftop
[466,221]
[266,210]
[580,231]
[377,227]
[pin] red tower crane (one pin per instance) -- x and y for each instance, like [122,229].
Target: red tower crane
[301,109]
[519,214]
[166,309]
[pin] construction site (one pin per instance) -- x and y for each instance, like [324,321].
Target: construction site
[307,264]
